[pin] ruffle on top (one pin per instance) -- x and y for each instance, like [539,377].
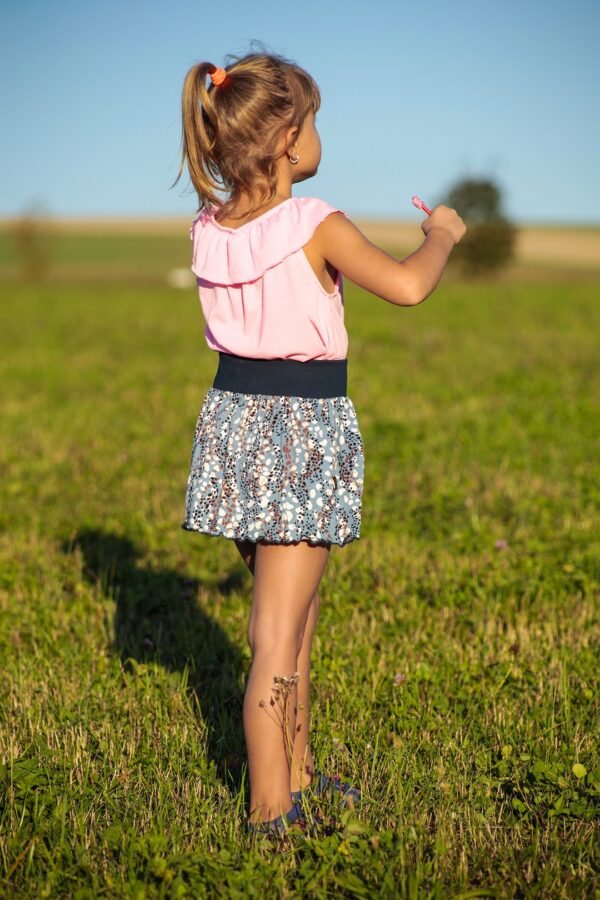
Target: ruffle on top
[225,255]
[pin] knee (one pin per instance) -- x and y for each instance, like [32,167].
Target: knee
[270,632]
[273,637]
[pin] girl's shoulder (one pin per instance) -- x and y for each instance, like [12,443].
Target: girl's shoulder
[235,255]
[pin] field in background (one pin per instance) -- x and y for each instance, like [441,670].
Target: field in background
[144,250]
[455,663]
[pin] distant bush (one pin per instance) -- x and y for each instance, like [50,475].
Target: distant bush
[490,240]
[30,236]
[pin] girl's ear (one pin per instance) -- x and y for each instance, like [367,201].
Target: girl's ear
[288,141]
[291,137]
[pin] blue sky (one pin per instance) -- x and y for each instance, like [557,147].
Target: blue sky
[415,96]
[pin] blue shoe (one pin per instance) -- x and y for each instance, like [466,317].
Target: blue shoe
[280,824]
[322,784]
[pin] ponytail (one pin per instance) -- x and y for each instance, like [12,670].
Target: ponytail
[199,130]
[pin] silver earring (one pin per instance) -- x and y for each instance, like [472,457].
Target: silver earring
[294,159]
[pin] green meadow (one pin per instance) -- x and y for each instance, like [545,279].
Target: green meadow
[455,663]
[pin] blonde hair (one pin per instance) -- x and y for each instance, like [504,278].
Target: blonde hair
[230,133]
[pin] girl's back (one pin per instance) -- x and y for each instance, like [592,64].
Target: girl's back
[260,294]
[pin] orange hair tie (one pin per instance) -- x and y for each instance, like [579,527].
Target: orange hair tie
[218,76]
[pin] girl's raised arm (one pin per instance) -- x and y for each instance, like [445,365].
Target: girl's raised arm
[405,282]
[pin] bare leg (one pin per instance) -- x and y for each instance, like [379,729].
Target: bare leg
[302,762]
[286,577]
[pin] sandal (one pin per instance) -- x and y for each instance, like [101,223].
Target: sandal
[322,784]
[280,824]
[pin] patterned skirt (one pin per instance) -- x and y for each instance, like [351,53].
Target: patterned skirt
[277,454]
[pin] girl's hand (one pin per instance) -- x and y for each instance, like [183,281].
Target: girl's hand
[446,218]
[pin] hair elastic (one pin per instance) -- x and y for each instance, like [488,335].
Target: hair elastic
[218,76]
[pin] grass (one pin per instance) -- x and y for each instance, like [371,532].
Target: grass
[456,654]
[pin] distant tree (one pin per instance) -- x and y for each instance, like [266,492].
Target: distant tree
[29,233]
[490,240]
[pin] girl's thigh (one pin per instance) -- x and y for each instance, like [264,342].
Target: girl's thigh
[286,578]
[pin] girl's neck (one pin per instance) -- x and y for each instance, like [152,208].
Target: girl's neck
[244,204]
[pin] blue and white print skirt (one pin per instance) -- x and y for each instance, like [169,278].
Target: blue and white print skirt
[277,454]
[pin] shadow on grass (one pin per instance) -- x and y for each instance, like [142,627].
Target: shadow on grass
[159,618]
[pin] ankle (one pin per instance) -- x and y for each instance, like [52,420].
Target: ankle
[300,781]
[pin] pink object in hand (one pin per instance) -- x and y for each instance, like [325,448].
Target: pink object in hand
[420,205]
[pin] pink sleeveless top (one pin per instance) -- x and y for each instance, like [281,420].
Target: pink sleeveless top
[259,295]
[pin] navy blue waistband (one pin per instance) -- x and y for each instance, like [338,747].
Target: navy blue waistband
[282,377]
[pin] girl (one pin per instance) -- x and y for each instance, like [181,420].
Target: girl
[277,456]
